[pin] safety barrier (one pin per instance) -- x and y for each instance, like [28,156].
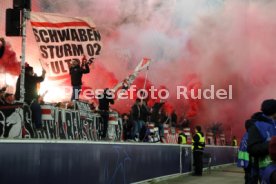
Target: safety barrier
[67,149]
[70,162]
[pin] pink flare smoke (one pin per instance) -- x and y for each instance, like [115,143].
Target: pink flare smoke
[235,48]
[234,45]
[9,62]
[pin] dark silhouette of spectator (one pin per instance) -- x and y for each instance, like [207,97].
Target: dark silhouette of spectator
[198,147]
[173,119]
[139,113]
[31,94]
[76,72]
[162,119]
[158,117]
[156,111]
[105,100]
[31,82]
[127,127]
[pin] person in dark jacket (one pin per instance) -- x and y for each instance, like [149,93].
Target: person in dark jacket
[162,119]
[76,72]
[31,82]
[197,148]
[259,136]
[31,94]
[270,171]
[105,100]
[173,119]
[156,109]
[244,159]
[127,126]
[139,114]
[158,116]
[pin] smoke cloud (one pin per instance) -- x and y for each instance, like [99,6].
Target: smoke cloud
[8,61]
[195,44]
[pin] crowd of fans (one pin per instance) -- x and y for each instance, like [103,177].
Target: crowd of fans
[137,122]
[134,122]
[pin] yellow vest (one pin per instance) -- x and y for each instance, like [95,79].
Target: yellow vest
[183,139]
[264,162]
[201,141]
[235,142]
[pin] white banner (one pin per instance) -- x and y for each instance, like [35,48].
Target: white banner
[144,64]
[62,39]
[127,82]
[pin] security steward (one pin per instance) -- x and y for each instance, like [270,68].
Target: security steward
[259,137]
[234,141]
[182,138]
[197,148]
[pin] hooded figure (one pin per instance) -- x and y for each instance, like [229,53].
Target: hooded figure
[259,136]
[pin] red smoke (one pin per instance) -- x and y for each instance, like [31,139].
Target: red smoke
[235,48]
[231,45]
[8,62]
[193,84]
[107,79]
